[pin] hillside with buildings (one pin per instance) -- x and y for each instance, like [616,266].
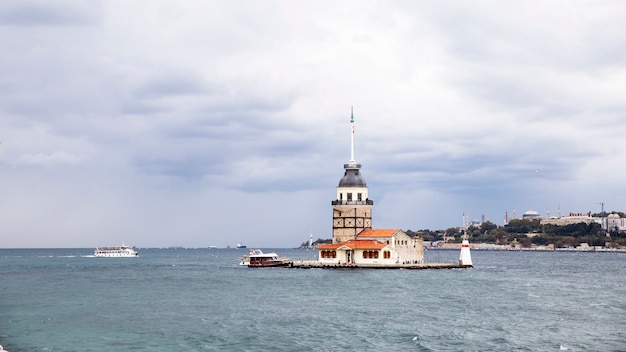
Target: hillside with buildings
[584,231]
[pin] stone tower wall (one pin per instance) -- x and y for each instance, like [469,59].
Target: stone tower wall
[349,220]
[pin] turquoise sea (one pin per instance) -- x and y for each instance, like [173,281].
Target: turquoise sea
[201,300]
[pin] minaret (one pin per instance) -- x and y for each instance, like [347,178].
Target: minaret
[352,209]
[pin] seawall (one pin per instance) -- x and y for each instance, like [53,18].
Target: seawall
[310,264]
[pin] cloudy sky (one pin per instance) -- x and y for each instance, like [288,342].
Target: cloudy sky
[197,123]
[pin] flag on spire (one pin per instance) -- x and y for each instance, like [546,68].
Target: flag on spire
[352,118]
[352,135]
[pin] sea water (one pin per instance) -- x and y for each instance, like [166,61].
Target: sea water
[201,300]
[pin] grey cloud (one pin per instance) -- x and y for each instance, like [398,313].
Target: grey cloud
[208,105]
[163,87]
[48,13]
[239,161]
[185,167]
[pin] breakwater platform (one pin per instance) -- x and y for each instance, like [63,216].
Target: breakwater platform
[312,264]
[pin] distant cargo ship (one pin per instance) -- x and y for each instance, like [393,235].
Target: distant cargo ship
[241,245]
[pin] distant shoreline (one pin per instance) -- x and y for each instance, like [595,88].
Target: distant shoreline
[510,249]
[473,247]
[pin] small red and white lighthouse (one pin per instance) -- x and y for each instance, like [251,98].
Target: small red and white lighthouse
[465,259]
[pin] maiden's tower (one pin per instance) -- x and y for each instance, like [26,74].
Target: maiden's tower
[352,210]
[355,243]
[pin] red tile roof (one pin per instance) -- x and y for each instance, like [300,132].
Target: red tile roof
[329,246]
[354,244]
[377,233]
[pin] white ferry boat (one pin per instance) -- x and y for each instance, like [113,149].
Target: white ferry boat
[121,251]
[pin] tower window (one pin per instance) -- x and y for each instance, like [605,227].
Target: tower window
[349,197]
[358,197]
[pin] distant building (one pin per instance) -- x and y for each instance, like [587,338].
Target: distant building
[612,223]
[572,218]
[615,223]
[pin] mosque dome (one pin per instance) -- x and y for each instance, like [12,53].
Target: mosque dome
[613,216]
[531,214]
[352,178]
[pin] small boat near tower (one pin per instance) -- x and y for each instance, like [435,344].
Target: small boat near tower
[257,259]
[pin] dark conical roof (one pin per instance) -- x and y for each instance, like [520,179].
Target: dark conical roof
[352,178]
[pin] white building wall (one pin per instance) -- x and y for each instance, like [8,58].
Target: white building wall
[342,193]
[409,250]
[405,249]
[328,260]
[358,259]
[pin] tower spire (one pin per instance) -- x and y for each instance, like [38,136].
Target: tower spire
[352,161]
